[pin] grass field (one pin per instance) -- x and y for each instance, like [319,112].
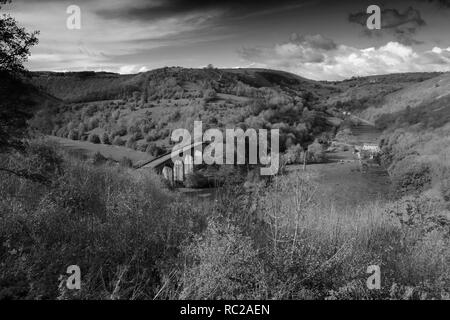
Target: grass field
[115,153]
[340,180]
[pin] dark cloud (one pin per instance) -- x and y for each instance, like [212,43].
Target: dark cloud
[151,10]
[442,3]
[403,26]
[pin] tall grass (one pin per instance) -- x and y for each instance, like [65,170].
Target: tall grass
[123,230]
[133,239]
[307,250]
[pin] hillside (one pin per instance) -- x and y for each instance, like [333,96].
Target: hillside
[96,86]
[421,93]
[18,103]
[140,111]
[361,93]
[415,124]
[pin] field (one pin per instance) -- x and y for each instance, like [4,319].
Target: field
[340,179]
[89,149]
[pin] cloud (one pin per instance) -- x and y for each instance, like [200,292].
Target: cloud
[155,10]
[403,26]
[441,3]
[307,49]
[100,44]
[131,69]
[320,62]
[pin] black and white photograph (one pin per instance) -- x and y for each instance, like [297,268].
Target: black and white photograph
[223,156]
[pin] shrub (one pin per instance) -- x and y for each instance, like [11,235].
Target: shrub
[73,135]
[410,176]
[222,264]
[118,231]
[98,158]
[105,138]
[294,154]
[118,141]
[155,150]
[131,142]
[135,129]
[142,147]
[40,160]
[152,136]
[196,180]
[122,131]
[126,162]
[93,123]
[316,153]
[209,94]
[93,138]
[62,132]
[445,189]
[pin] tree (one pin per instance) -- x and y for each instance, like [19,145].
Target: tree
[105,138]
[316,152]
[15,43]
[94,138]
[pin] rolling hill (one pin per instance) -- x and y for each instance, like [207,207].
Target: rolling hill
[139,112]
[414,95]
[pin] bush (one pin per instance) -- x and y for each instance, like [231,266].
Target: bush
[131,142]
[410,176]
[153,135]
[209,94]
[155,150]
[40,161]
[222,264]
[100,219]
[143,147]
[316,153]
[118,141]
[445,190]
[73,135]
[105,138]
[98,158]
[122,131]
[93,123]
[126,162]
[196,180]
[93,138]
[279,241]
[294,155]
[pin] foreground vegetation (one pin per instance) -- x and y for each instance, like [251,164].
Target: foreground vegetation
[134,239]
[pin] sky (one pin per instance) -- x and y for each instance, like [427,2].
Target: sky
[316,39]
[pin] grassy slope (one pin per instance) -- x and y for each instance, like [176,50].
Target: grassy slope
[421,93]
[115,153]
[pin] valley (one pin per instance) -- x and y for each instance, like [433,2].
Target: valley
[302,234]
